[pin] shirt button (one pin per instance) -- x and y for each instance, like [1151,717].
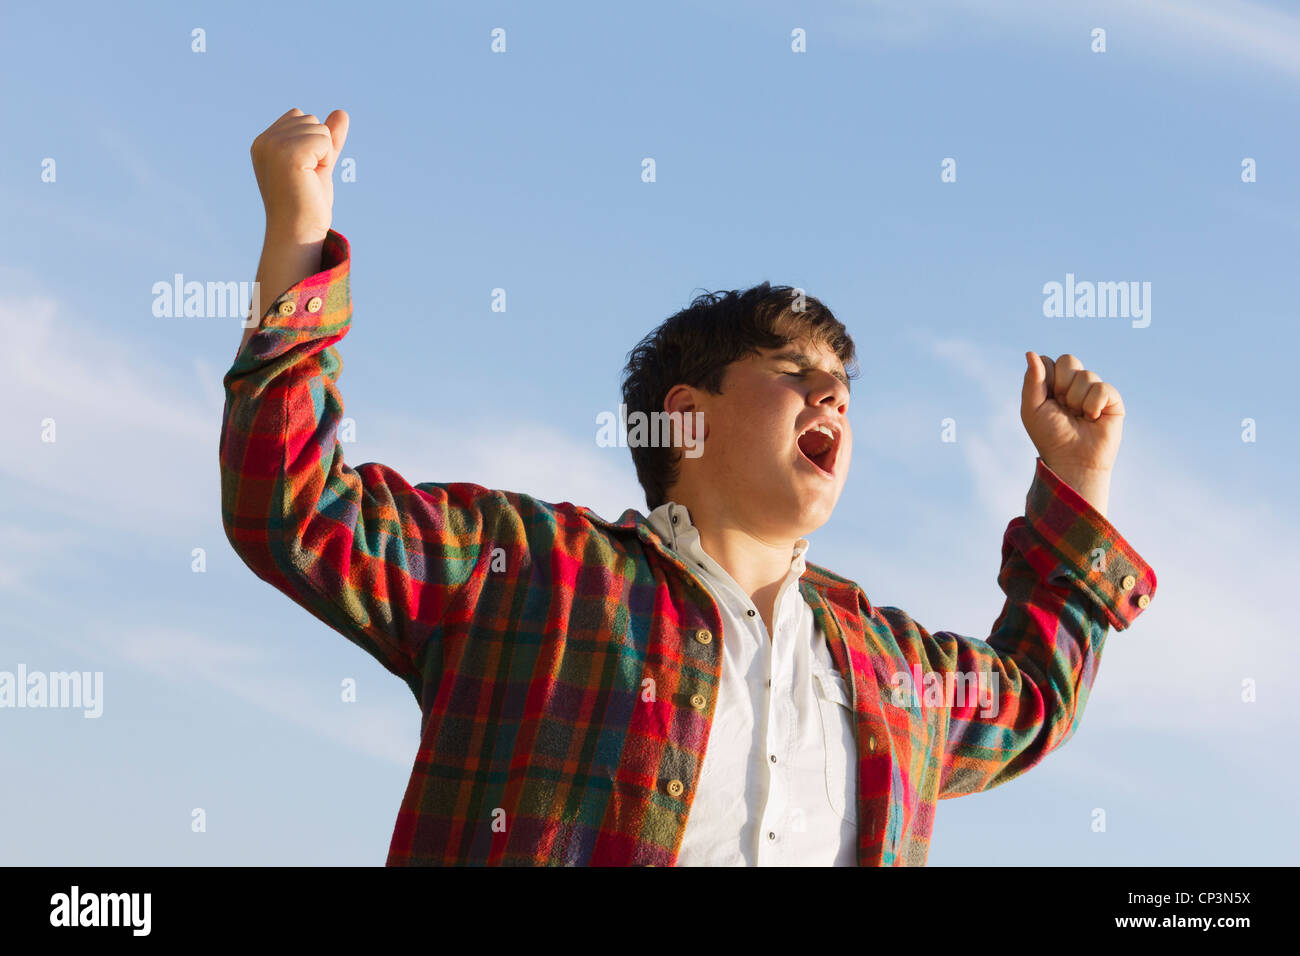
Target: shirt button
[675,788]
[1144,600]
[871,744]
[704,636]
[314,304]
[287,307]
[773,758]
[771,835]
[1128,582]
[698,701]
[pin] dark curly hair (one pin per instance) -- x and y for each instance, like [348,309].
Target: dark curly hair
[695,346]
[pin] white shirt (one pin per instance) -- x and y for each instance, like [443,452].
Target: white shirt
[779,785]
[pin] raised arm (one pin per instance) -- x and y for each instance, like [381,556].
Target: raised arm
[376,558]
[1068,576]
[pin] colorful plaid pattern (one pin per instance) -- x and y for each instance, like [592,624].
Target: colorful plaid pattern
[554,653]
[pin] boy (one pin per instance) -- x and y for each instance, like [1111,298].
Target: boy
[682,687]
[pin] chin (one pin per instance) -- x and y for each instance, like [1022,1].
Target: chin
[812,513]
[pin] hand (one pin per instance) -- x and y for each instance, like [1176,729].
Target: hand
[293,160]
[1074,420]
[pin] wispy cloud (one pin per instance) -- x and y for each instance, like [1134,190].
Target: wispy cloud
[246,672]
[137,448]
[523,456]
[131,443]
[27,553]
[1255,32]
[1251,33]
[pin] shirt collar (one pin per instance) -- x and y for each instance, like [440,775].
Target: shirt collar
[672,522]
[815,581]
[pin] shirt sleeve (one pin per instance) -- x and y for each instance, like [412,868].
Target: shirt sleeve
[374,557]
[1000,705]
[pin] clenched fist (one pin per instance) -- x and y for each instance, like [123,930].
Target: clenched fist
[1074,420]
[293,160]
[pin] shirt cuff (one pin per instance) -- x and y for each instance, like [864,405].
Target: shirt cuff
[1077,544]
[319,295]
[315,307]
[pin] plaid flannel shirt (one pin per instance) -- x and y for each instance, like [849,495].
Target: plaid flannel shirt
[555,654]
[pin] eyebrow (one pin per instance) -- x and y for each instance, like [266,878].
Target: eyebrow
[803,360]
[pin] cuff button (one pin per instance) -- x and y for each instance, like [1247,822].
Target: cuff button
[1144,600]
[287,307]
[1128,582]
[314,304]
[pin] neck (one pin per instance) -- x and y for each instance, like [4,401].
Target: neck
[756,562]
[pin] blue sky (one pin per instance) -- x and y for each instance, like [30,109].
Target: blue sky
[522,170]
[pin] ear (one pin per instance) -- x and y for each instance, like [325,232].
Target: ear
[680,401]
[690,426]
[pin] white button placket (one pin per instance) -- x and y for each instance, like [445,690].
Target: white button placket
[774,832]
[770,831]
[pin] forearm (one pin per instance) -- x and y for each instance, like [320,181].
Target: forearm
[287,259]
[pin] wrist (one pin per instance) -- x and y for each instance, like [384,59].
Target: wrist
[288,233]
[1091,484]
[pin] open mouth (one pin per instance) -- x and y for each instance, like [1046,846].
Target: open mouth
[820,444]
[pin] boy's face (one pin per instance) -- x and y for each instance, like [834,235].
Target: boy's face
[781,476]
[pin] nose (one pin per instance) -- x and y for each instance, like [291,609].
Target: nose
[831,392]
